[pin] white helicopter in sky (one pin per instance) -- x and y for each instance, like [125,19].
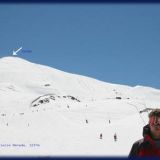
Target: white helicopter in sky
[15,52]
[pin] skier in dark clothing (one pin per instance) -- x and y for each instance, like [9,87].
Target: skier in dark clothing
[150,144]
[115,137]
[100,136]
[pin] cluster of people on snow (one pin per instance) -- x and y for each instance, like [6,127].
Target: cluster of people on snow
[101,135]
[114,136]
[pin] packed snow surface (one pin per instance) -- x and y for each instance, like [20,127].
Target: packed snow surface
[48,112]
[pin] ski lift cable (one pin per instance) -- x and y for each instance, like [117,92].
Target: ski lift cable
[138,112]
[145,106]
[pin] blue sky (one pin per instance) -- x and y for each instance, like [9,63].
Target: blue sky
[116,43]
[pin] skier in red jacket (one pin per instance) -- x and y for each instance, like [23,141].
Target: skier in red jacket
[150,144]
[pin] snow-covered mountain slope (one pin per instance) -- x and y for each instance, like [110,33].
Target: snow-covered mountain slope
[45,111]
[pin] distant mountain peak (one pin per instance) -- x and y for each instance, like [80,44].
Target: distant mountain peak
[12,59]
